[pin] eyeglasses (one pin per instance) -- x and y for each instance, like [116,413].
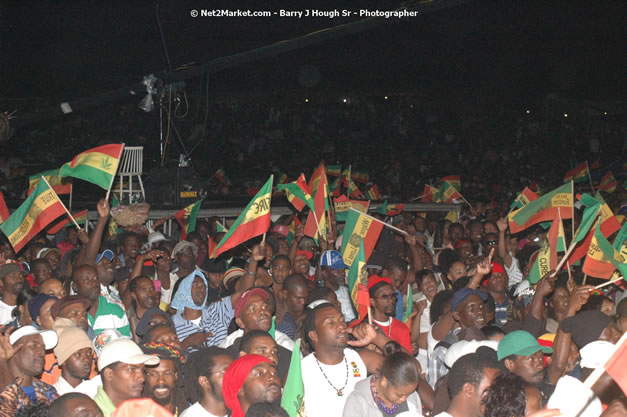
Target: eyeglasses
[491,242]
[388,297]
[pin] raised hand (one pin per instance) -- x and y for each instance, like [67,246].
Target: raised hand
[364,333]
[502,224]
[7,350]
[103,208]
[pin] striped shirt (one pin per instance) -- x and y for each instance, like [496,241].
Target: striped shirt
[215,319]
[109,316]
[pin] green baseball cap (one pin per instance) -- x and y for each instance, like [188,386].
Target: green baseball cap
[520,343]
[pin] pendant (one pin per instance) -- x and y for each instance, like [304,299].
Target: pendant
[340,393]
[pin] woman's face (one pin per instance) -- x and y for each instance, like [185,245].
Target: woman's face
[429,286]
[396,394]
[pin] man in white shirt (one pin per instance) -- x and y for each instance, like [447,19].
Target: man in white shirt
[12,278]
[468,379]
[332,370]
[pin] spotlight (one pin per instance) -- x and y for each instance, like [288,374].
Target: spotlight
[386,97]
[306,100]
[528,111]
[345,101]
[565,114]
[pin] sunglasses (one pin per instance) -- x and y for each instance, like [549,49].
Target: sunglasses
[491,242]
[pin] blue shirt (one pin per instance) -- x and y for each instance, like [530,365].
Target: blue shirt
[215,319]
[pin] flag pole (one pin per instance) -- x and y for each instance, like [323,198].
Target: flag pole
[71,189]
[416,198]
[113,176]
[572,220]
[570,276]
[570,249]
[589,177]
[65,208]
[383,223]
[605,284]
[598,372]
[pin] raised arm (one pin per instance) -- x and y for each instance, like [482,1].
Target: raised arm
[258,253]
[503,253]
[93,245]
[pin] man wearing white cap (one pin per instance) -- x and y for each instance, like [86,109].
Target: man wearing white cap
[121,365]
[27,363]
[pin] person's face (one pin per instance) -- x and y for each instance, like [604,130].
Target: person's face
[79,363]
[610,334]
[105,271]
[429,286]
[53,258]
[215,279]
[255,315]
[534,399]
[77,313]
[530,368]
[497,282]
[145,294]
[42,271]
[86,283]
[266,347]
[559,300]
[199,290]
[72,236]
[455,233]
[284,249]
[262,385]
[334,276]
[161,381]
[52,286]
[130,247]
[296,298]
[269,255]
[458,270]
[164,262]
[7,251]
[127,380]
[280,270]
[475,232]
[301,265]
[166,335]
[384,300]
[573,358]
[420,224]
[13,282]
[607,307]
[490,228]
[30,358]
[471,312]
[186,259]
[216,376]
[398,278]
[82,407]
[45,320]
[490,240]
[488,376]
[396,394]
[465,250]
[202,229]
[330,329]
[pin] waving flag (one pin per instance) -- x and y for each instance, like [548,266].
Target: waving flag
[603,258]
[358,227]
[391,210]
[447,193]
[220,228]
[454,180]
[523,198]
[608,183]
[343,204]
[317,222]
[80,217]
[298,193]
[35,213]
[96,165]
[253,221]
[60,184]
[334,170]
[293,398]
[579,173]
[358,282]
[221,176]
[4,210]
[373,193]
[429,194]
[542,209]
[187,218]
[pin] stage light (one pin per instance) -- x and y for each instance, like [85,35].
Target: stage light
[528,111]
[565,114]
[605,113]
[386,97]
[306,100]
[345,101]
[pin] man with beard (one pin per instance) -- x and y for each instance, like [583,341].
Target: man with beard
[383,303]
[332,270]
[121,365]
[74,354]
[332,370]
[143,298]
[102,314]
[249,380]
[164,381]
[204,372]
[12,278]
[26,363]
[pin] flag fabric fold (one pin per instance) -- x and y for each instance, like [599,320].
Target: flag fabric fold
[60,184]
[96,165]
[359,226]
[80,218]
[543,208]
[357,280]
[391,210]
[577,174]
[373,193]
[447,193]
[603,258]
[317,222]
[4,210]
[187,218]
[298,193]
[253,221]
[608,183]
[293,398]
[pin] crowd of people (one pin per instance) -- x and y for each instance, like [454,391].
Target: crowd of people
[91,321]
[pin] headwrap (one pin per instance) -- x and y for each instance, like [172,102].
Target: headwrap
[497,268]
[460,242]
[376,279]
[183,297]
[142,326]
[306,253]
[234,378]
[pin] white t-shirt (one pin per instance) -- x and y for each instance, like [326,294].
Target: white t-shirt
[425,319]
[444,414]
[322,400]
[197,410]
[5,312]
[431,342]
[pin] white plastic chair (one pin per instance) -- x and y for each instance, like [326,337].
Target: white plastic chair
[131,167]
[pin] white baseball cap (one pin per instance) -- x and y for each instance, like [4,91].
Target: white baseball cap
[125,351]
[49,336]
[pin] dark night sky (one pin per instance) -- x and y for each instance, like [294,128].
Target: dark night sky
[513,50]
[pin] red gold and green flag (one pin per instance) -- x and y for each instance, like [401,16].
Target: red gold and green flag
[523,198]
[253,221]
[316,176]
[211,246]
[543,208]
[317,222]
[360,176]
[334,170]
[353,190]
[447,193]
[454,180]
[373,193]
[603,258]
[409,305]
[4,210]
[282,178]
[35,213]
[96,165]
[596,164]
[221,176]
[114,229]
[187,218]
[60,184]
[343,205]
[608,183]
[220,228]
[291,234]
[358,227]
[357,280]
[542,264]
[391,210]
[298,193]
[579,173]
[293,398]
[429,194]
[80,217]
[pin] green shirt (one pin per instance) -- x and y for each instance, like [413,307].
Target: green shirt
[109,316]
[104,402]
